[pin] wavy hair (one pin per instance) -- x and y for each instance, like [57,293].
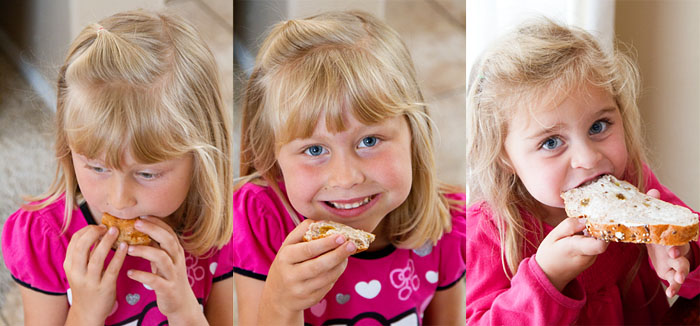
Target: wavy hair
[532,65]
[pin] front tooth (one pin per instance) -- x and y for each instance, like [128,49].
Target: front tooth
[351,206]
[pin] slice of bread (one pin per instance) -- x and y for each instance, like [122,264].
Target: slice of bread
[127,232]
[322,229]
[616,211]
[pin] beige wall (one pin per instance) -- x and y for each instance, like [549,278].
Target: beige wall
[40,32]
[666,37]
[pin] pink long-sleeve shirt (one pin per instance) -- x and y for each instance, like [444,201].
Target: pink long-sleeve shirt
[605,293]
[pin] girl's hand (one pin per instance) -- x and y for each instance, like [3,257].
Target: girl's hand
[301,275]
[168,277]
[563,254]
[670,262]
[93,288]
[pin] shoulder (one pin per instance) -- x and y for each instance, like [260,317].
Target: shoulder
[259,207]
[47,220]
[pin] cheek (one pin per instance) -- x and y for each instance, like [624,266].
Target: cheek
[301,183]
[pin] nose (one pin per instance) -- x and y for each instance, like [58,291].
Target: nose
[585,156]
[120,194]
[344,171]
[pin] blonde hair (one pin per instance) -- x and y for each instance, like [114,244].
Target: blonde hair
[533,64]
[146,81]
[320,67]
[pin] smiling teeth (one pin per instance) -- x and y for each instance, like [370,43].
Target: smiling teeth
[351,205]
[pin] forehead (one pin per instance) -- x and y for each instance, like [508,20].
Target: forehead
[561,107]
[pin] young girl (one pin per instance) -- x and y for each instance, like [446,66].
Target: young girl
[549,110]
[141,134]
[334,129]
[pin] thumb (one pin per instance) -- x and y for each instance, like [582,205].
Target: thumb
[568,227]
[654,193]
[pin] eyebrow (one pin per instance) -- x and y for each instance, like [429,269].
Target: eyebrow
[558,126]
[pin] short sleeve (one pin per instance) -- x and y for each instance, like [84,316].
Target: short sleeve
[258,230]
[34,251]
[453,247]
[224,264]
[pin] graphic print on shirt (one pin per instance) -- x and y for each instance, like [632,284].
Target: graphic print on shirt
[406,318]
[405,279]
[195,272]
[368,290]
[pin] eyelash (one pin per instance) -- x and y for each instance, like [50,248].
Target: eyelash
[607,122]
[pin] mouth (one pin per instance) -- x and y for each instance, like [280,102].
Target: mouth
[351,204]
[591,180]
[351,208]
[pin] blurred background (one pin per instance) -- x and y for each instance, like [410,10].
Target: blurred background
[34,39]
[663,36]
[434,32]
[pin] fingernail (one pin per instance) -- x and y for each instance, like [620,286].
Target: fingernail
[582,221]
[138,224]
[351,247]
[130,272]
[339,239]
[122,246]
[131,249]
[113,230]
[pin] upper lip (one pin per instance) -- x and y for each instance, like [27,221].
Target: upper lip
[590,179]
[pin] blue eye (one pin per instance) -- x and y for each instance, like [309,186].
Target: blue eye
[147,175]
[551,143]
[598,127]
[369,141]
[315,150]
[96,169]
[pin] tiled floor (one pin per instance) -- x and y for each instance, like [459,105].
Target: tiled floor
[26,159]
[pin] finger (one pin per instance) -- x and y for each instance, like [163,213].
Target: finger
[654,193]
[112,271]
[297,234]
[78,250]
[162,233]
[328,278]
[304,251]
[567,227]
[326,262]
[151,280]
[681,267]
[587,246]
[672,289]
[164,264]
[97,257]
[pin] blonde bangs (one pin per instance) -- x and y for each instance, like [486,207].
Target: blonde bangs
[327,83]
[113,119]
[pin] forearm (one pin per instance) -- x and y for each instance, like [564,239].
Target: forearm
[271,313]
[77,318]
[192,317]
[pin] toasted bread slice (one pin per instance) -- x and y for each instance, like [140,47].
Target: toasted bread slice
[617,211]
[322,229]
[127,232]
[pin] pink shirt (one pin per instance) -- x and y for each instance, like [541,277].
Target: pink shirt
[388,286]
[34,249]
[596,296]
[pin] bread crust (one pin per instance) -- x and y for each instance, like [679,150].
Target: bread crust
[319,230]
[663,234]
[127,232]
